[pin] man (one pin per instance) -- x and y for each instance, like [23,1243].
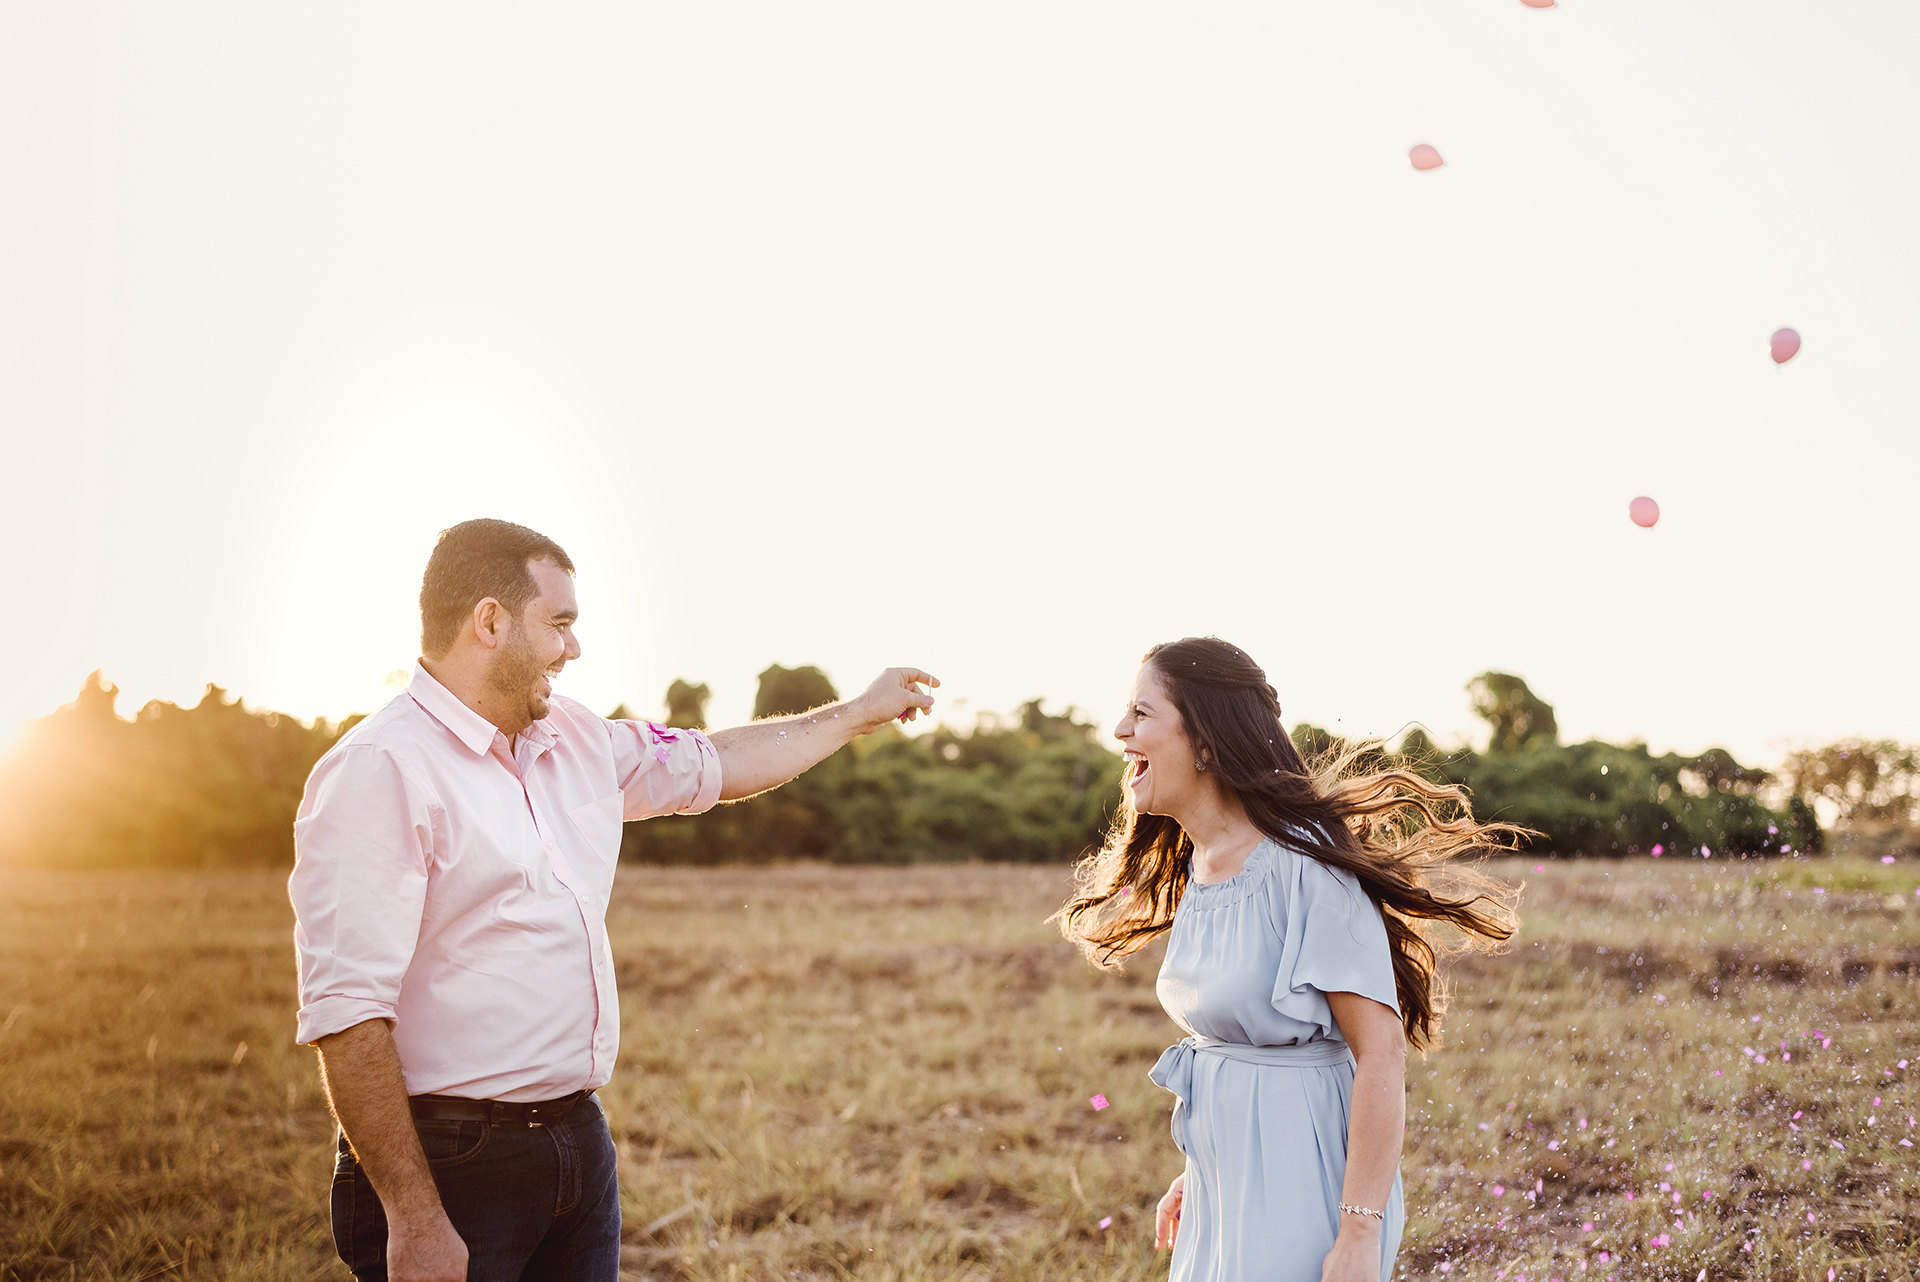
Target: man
[453,858]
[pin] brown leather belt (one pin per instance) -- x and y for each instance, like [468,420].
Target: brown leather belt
[452,1108]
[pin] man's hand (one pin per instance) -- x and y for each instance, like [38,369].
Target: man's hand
[425,1248]
[896,694]
[361,1072]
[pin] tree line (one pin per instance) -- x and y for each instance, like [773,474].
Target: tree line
[216,784]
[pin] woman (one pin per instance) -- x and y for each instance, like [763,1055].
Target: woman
[1293,904]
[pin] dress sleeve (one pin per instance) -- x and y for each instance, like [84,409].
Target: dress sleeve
[1332,941]
[363,841]
[663,771]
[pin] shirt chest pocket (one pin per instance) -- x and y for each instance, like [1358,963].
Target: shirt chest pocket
[600,822]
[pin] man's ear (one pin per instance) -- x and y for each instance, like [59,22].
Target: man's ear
[490,623]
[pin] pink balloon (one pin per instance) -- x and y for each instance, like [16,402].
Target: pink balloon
[1784,343]
[1644,512]
[1425,157]
[1538,4]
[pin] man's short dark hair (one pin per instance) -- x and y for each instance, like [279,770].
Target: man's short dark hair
[475,560]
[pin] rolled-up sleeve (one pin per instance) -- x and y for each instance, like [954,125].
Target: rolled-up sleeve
[363,840]
[664,771]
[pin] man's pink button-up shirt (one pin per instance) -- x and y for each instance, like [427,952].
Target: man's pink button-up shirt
[459,888]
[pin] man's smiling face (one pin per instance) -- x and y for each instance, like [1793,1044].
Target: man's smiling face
[540,643]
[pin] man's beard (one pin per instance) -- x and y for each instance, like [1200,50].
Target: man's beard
[512,677]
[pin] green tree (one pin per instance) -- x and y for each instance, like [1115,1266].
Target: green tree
[784,691]
[687,704]
[1517,716]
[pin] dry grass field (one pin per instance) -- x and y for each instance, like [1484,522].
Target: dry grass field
[885,1073]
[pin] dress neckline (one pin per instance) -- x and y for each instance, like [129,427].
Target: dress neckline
[1237,887]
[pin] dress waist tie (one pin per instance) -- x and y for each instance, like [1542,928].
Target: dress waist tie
[1175,1069]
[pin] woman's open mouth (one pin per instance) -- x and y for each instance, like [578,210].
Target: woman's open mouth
[1136,766]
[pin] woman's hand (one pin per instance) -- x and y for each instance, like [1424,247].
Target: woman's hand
[1166,1216]
[1355,1256]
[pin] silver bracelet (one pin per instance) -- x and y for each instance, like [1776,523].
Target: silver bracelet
[1361,1210]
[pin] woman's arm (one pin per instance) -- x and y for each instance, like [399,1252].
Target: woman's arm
[1377,1124]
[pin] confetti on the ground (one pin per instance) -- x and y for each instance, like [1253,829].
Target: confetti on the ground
[1106,1221]
[1424,156]
[1099,1102]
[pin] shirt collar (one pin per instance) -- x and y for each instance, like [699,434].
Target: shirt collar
[440,703]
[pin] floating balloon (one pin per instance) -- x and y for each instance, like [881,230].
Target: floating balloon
[1538,4]
[1425,157]
[1783,344]
[1644,512]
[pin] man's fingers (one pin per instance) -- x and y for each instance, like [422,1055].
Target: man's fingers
[913,676]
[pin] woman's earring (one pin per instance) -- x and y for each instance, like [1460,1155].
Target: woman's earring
[1200,764]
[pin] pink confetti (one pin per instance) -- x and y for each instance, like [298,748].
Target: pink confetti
[1806,1164]
[1810,1218]
[1543,867]
[1106,1221]
[1901,1064]
[1446,1266]
[1605,1258]
[1783,346]
[1905,1143]
[1583,1123]
[1485,1127]
[1876,1101]
[1499,1190]
[1126,892]
[661,755]
[1587,1227]
[1798,1114]
[1886,859]
[1645,512]
[1424,156]
[1829,1274]
[1706,852]
[1661,1240]
[1658,849]
[1099,1102]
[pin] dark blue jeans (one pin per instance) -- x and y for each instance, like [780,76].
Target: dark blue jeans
[533,1203]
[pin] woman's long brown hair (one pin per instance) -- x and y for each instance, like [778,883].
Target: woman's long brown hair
[1356,808]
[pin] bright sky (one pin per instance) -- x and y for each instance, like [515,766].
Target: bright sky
[1003,340]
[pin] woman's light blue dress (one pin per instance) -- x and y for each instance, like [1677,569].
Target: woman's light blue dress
[1264,1082]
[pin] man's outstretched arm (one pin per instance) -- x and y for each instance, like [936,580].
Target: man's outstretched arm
[361,1072]
[765,754]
